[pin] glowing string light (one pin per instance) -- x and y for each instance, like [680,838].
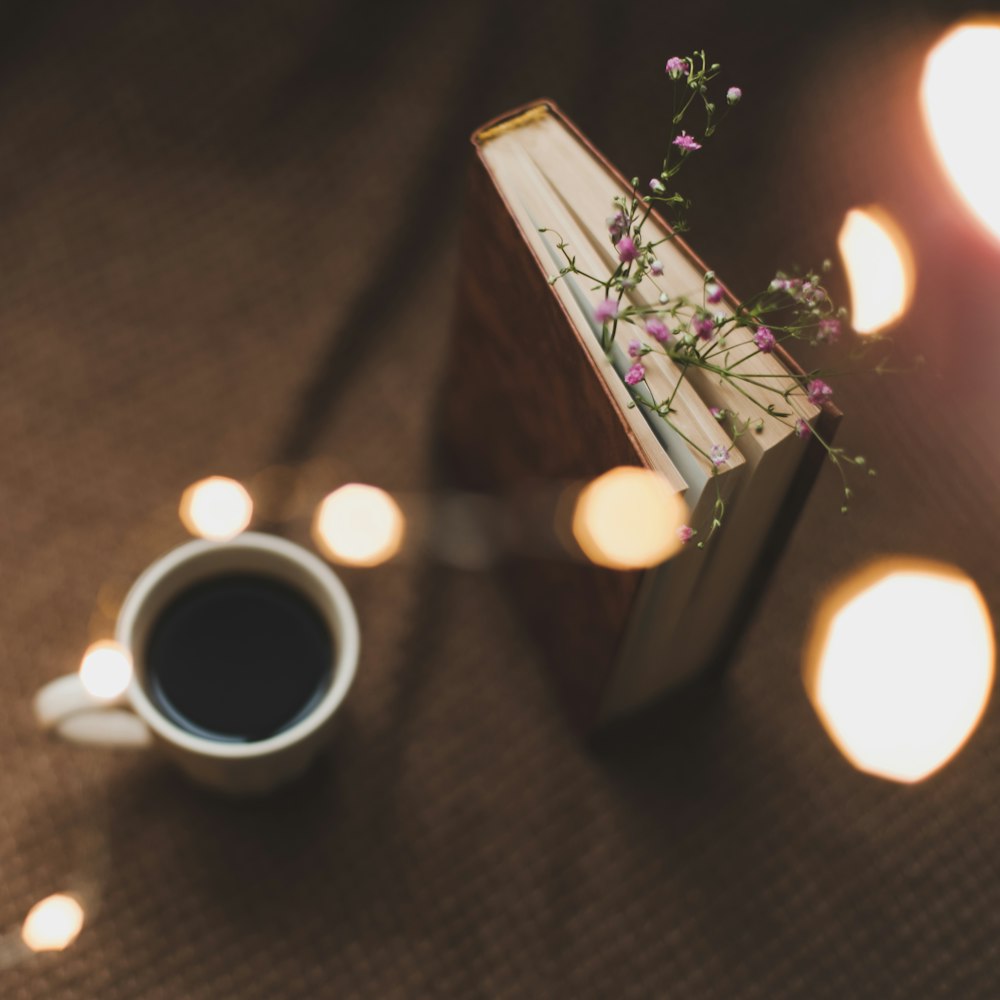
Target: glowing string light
[106,670]
[216,508]
[359,525]
[879,268]
[628,518]
[959,92]
[900,666]
[53,924]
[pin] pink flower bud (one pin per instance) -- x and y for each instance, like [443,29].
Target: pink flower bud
[635,374]
[657,329]
[626,249]
[818,392]
[676,67]
[719,455]
[703,327]
[828,331]
[764,340]
[603,311]
[686,143]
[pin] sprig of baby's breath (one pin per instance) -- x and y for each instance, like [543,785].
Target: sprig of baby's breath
[692,331]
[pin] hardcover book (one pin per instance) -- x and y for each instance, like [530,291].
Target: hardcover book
[534,398]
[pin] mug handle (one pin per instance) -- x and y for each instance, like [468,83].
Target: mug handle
[64,706]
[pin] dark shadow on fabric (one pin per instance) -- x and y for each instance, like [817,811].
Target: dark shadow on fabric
[411,252]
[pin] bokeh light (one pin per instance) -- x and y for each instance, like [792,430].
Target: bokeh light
[53,924]
[879,267]
[359,525]
[105,670]
[900,665]
[959,94]
[216,508]
[628,518]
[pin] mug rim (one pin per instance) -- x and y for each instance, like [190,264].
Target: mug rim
[347,642]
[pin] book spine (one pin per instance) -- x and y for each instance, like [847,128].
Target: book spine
[523,407]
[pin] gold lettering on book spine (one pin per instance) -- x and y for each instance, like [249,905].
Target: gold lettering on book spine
[525,118]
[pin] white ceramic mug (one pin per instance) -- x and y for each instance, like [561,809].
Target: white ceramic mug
[132,719]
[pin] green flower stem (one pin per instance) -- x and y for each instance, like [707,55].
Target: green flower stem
[651,404]
[791,307]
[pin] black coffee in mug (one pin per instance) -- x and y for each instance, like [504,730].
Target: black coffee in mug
[238,658]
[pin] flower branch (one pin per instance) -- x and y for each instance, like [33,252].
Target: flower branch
[695,332]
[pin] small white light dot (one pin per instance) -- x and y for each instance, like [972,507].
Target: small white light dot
[53,923]
[359,525]
[216,508]
[106,670]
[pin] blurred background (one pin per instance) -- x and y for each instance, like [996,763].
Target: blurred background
[229,244]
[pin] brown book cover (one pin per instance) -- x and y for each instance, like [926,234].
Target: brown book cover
[521,408]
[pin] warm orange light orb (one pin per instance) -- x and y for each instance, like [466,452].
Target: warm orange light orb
[879,267]
[900,665]
[628,518]
[959,93]
[53,924]
[106,670]
[216,508]
[359,525]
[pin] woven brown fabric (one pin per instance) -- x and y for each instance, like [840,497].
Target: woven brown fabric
[228,243]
